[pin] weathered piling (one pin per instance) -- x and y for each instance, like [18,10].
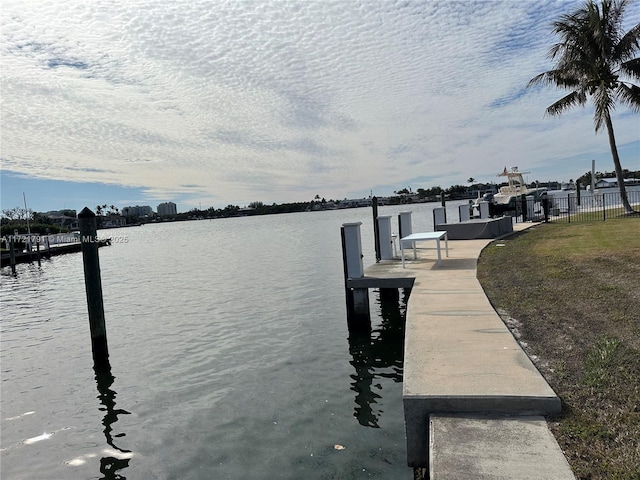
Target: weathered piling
[12,254]
[93,286]
[357,299]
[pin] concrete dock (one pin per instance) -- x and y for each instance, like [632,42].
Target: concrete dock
[465,372]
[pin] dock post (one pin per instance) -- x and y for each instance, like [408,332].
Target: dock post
[358,315]
[439,217]
[38,249]
[484,209]
[93,286]
[404,224]
[12,254]
[376,232]
[442,200]
[463,213]
[524,207]
[384,238]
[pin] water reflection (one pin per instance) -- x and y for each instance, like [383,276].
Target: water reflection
[119,460]
[378,354]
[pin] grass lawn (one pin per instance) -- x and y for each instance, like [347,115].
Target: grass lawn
[570,293]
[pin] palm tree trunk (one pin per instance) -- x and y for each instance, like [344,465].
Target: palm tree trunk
[618,167]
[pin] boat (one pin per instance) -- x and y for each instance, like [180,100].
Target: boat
[507,196]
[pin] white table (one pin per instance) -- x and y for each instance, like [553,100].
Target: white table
[421,237]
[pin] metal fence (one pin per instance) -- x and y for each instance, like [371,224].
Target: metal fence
[575,208]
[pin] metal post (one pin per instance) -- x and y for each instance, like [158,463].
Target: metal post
[545,208]
[93,286]
[524,207]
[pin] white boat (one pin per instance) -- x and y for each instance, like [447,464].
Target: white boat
[507,196]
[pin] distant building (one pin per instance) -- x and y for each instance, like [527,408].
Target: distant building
[167,208]
[112,221]
[63,218]
[137,211]
[613,182]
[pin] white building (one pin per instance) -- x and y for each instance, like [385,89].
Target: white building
[167,208]
[137,211]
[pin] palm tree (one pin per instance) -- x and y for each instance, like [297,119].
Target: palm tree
[592,55]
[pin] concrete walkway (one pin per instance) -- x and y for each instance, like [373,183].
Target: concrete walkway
[464,371]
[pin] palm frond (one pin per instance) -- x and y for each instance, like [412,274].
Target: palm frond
[604,104]
[558,77]
[631,68]
[591,54]
[629,43]
[629,95]
[575,98]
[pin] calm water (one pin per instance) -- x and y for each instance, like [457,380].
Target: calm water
[229,351]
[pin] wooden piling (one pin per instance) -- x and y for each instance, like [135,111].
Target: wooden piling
[93,287]
[12,254]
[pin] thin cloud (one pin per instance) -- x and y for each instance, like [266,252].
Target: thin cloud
[227,100]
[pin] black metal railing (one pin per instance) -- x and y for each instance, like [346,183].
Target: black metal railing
[574,208]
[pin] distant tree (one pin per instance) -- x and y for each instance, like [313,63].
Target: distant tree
[471,180]
[592,55]
[99,210]
[17,214]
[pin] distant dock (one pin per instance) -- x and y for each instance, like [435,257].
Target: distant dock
[41,251]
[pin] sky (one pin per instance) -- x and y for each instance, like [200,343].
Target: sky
[215,103]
